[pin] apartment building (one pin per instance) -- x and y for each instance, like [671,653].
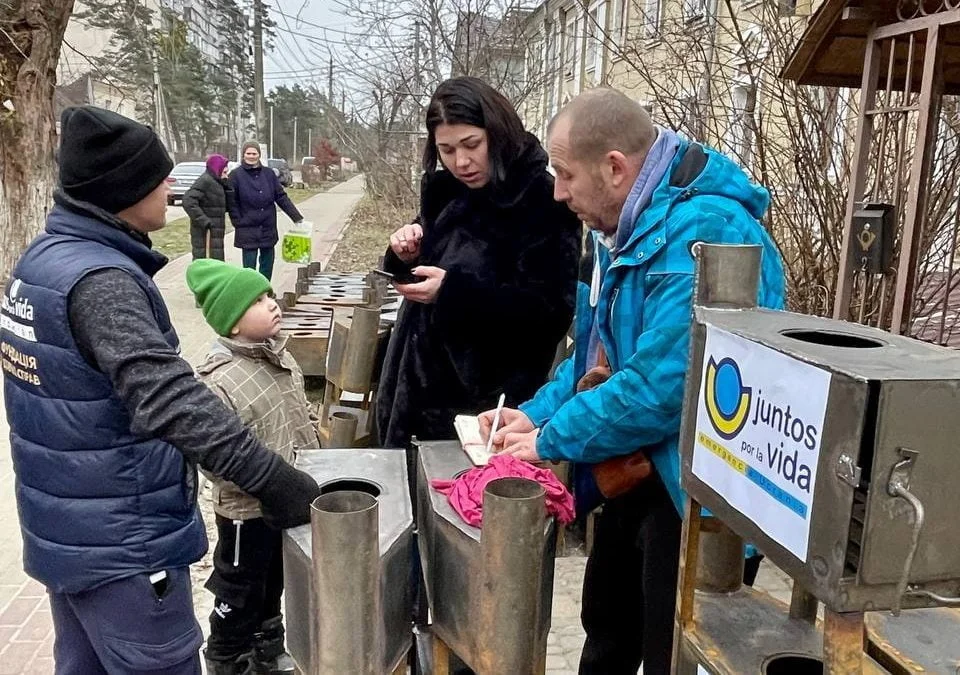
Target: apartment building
[201,30]
[695,64]
[492,48]
[80,81]
[711,70]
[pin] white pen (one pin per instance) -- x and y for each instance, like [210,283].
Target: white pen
[496,422]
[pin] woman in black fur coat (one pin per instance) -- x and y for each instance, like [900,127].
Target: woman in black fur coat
[498,260]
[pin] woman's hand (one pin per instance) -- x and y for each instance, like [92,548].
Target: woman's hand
[425,291]
[405,242]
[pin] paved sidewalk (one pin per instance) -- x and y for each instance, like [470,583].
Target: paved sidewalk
[26,636]
[327,211]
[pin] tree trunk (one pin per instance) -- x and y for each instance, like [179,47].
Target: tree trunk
[29,51]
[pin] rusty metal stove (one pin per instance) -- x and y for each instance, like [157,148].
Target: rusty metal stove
[876,522]
[349,599]
[490,591]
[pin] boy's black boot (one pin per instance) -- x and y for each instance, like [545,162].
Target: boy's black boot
[269,654]
[241,665]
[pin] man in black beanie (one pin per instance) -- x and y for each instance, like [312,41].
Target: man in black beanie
[108,424]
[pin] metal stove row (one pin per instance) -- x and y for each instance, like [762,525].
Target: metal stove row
[352,574]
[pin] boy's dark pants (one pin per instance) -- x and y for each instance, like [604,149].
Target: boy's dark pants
[128,626]
[248,594]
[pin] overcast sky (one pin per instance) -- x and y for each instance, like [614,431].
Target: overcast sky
[304,58]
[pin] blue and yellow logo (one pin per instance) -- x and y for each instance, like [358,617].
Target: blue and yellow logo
[726,398]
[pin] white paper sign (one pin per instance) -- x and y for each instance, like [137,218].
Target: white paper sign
[759,427]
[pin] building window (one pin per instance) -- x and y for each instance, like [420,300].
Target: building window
[842,136]
[618,22]
[593,52]
[754,46]
[691,121]
[554,39]
[787,7]
[570,43]
[650,18]
[694,10]
[739,140]
[534,59]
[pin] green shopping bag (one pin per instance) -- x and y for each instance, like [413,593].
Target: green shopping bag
[297,243]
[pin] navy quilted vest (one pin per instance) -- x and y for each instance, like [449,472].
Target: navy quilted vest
[97,503]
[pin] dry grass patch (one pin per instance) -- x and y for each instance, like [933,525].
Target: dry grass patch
[367,235]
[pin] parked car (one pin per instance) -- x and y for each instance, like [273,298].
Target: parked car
[182,178]
[282,169]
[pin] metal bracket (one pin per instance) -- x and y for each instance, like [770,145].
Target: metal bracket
[941,600]
[848,472]
[899,486]
[900,473]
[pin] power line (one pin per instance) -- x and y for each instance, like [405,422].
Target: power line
[282,52]
[287,24]
[339,31]
[387,38]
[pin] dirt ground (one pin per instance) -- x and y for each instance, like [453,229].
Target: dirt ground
[367,235]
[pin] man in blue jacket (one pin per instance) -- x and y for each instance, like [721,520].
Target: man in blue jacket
[648,195]
[108,424]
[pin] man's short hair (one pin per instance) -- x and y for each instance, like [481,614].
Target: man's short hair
[603,120]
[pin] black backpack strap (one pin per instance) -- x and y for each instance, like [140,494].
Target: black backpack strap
[691,165]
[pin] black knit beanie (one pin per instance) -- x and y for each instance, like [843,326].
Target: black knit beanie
[109,160]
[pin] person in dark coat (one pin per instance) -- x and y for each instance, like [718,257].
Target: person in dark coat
[257,192]
[495,251]
[108,423]
[206,205]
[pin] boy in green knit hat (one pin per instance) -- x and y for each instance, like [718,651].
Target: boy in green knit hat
[251,370]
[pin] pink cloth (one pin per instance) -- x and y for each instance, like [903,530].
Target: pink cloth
[465,492]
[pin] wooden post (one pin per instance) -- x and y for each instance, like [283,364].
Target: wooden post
[843,643]
[803,605]
[686,583]
[931,90]
[859,168]
[441,656]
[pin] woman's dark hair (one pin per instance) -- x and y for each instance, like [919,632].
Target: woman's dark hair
[468,100]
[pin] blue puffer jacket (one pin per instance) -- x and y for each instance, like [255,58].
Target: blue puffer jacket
[643,320]
[257,193]
[97,503]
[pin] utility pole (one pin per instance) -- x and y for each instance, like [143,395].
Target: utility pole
[416,60]
[270,150]
[310,142]
[258,68]
[160,116]
[239,121]
[330,83]
[414,135]
[294,157]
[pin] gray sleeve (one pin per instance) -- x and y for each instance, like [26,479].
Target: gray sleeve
[115,329]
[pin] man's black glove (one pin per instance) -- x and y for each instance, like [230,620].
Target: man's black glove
[286,498]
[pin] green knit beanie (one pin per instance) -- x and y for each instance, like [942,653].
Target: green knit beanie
[225,292]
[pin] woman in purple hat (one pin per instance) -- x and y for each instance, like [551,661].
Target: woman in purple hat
[206,203]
